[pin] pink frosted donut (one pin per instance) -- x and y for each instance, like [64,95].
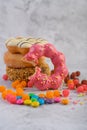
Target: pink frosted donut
[40,80]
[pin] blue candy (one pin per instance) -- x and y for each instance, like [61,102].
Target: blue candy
[41,101]
[19,97]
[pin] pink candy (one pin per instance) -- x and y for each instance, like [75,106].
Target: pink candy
[57,100]
[19,101]
[11,98]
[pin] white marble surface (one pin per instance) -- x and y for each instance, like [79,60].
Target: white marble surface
[63,23]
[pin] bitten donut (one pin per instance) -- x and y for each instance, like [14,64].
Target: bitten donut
[15,60]
[43,81]
[21,45]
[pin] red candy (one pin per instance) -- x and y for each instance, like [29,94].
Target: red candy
[65,93]
[71,86]
[76,81]
[80,89]
[5,77]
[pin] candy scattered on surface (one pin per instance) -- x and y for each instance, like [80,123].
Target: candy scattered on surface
[5,77]
[65,101]
[2,89]
[57,99]
[65,93]
[50,96]
[35,104]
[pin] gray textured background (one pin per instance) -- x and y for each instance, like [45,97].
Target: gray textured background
[63,23]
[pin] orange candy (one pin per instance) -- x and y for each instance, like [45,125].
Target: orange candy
[19,91]
[70,81]
[56,93]
[4,94]
[49,94]
[2,88]
[65,101]
[41,95]
[15,83]
[23,83]
[25,96]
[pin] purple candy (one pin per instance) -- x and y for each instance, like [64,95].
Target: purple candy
[49,101]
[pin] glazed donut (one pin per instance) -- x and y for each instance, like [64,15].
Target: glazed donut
[43,81]
[15,60]
[21,45]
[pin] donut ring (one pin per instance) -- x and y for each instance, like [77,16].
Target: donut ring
[40,80]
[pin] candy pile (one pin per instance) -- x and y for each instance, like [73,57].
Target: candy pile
[19,97]
[73,83]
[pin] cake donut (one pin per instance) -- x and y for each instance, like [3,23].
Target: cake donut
[43,81]
[15,60]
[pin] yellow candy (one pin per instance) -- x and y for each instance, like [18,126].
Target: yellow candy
[27,102]
[35,104]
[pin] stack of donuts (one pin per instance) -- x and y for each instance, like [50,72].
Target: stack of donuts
[16,67]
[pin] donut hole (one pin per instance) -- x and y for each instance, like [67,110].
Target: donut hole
[51,66]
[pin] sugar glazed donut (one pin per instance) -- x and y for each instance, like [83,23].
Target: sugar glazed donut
[43,81]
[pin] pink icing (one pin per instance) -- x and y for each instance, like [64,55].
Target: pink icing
[40,80]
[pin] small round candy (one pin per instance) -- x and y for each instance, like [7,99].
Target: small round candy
[35,96]
[65,101]
[65,93]
[15,83]
[19,101]
[31,94]
[84,82]
[49,101]
[80,89]
[35,104]
[49,94]
[77,73]
[41,101]
[71,86]
[5,77]
[19,91]
[57,93]
[2,89]
[25,96]
[23,83]
[76,81]
[41,95]
[19,97]
[27,102]
[73,75]
[4,94]
[33,99]
[70,81]
[11,98]
[85,87]
[57,99]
